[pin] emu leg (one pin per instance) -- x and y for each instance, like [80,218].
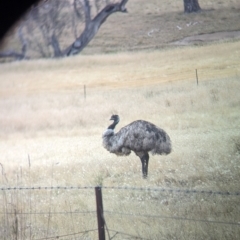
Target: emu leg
[144,157]
[144,160]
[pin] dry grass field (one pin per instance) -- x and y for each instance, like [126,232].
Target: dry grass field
[50,135]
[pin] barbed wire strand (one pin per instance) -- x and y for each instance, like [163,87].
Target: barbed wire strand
[66,235]
[46,188]
[175,218]
[44,213]
[187,191]
[175,190]
[127,214]
[126,234]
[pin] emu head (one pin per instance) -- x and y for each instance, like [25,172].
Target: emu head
[116,120]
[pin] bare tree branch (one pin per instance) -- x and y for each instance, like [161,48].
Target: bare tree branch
[87,12]
[11,54]
[43,29]
[79,15]
[93,26]
[23,41]
[55,45]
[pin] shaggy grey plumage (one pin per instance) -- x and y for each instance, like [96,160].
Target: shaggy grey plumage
[140,137]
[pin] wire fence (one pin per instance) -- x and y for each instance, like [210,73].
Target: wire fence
[69,212]
[202,74]
[186,191]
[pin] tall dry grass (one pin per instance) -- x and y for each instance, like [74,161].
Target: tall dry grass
[50,136]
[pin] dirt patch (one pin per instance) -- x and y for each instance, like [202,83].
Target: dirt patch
[210,37]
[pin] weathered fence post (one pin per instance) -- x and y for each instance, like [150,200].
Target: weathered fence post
[84,92]
[197,76]
[101,230]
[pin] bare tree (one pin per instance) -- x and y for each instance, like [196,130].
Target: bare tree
[44,25]
[191,6]
[42,29]
[92,25]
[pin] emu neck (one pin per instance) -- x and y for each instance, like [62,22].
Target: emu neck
[113,125]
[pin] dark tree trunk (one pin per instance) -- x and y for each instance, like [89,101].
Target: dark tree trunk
[55,46]
[92,25]
[191,6]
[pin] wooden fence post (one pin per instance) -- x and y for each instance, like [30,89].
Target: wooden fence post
[197,76]
[101,229]
[84,92]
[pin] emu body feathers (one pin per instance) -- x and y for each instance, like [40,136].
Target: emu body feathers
[139,136]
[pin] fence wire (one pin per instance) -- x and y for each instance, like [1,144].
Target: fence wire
[126,235]
[126,213]
[174,218]
[55,213]
[68,235]
[169,190]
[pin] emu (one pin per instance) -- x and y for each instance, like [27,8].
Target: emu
[140,137]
